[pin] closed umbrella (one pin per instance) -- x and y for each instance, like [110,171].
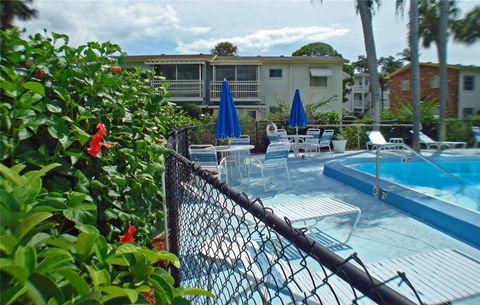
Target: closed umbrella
[297,116]
[228,125]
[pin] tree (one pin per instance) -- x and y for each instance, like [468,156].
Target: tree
[365,8]
[317,49]
[467,29]
[405,53]
[390,64]
[15,8]
[435,16]
[415,70]
[224,48]
[361,65]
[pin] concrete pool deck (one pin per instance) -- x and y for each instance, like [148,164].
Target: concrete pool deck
[383,232]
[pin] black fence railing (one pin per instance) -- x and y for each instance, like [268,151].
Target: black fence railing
[242,252]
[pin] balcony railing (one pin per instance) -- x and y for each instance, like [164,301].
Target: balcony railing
[239,89]
[183,88]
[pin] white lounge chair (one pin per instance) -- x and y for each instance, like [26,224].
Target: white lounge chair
[311,144]
[476,134]
[431,144]
[242,158]
[276,157]
[439,277]
[205,156]
[325,139]
[377,140]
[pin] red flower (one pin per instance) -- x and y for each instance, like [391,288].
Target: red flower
[128,237]
[39,73]
[96,143]
[116,70]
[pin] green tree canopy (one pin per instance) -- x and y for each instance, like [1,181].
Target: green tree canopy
[361,65]
[225,48]
[389,64]
[467,29]
[15,8]
[317,49]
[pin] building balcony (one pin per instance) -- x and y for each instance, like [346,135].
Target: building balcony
[241,90]
[184,90]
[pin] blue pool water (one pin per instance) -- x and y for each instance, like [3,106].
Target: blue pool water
[425,178]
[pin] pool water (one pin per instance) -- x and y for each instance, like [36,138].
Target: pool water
[429,180]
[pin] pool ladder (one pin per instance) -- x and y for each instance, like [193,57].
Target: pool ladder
[376,187]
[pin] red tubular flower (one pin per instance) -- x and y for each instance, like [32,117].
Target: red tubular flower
[39,73]
[95,145]
[128,237]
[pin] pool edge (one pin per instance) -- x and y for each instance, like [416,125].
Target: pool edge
[455,221]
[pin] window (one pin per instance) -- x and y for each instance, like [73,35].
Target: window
[275,73]
[405,85]
[318,81]
[468,82]
[435,82]
[252,114]
[186,72]
[467,112]
[168,71]
[246,73]
[225,72]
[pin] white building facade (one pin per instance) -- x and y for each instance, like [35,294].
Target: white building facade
[359,100]
[258,83]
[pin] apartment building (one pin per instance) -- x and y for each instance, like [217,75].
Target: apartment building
[463,87]
[258,83]
[359,100]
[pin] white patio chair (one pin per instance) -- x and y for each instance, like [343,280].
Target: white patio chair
[276,157]
[325,139]
[476,134]
[205,156]
[311,144]
[431,144]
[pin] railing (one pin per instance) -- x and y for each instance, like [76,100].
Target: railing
[239,89]
[395,146]
[243,253]
[182,88]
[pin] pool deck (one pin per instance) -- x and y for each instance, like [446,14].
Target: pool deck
[383,231]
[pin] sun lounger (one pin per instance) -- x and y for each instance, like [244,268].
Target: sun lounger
[439,277]
[431,144]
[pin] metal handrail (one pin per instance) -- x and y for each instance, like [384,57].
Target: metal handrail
[376,187]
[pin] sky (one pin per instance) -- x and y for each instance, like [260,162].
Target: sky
[257,27]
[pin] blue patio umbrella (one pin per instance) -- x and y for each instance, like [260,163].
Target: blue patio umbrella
[228,125]
[297,114]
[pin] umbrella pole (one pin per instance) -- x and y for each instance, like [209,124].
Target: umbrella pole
[296,143]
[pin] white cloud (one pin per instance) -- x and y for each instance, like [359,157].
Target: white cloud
[118,21]
[265,39]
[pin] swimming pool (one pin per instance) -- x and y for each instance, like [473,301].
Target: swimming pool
[429,180]
[420,190]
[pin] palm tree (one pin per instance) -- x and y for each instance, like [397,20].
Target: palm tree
[365,8]
[224,48]
[467,29]
[15,8]
[434,19]
[412,56]
[415,66]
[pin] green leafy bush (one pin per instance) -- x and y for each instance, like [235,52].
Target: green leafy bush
[90,138]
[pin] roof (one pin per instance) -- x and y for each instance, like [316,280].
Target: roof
[430,64]
[234,59]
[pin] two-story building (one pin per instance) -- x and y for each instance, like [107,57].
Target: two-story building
[359,99]
[463,87]
[258,83]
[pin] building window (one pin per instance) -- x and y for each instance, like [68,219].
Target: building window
[405,85]
[467,112]
[167,71]
[468,82]
[188,72]
[435,82]
[252,114]
[275,73]
[318,81]
[247,73]
[225,72]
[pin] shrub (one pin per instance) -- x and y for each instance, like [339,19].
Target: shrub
[61,219]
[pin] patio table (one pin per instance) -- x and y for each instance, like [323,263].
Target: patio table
[232,150]
[297,137]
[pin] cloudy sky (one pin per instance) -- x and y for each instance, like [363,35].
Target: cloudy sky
[257,27]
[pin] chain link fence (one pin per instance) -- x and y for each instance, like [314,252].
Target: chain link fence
[242,252]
